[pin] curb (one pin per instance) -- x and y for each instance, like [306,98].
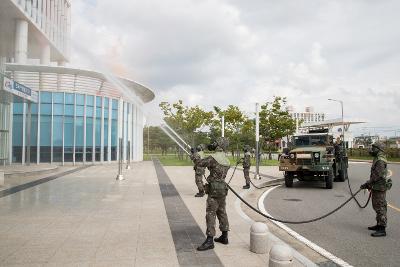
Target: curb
[370,161]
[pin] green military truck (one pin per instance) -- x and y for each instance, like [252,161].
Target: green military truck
[312,157]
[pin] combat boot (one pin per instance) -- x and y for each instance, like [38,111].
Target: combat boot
[208,244]
[200,194]
[247,186]
[379,232]
[373,228]
[223,239]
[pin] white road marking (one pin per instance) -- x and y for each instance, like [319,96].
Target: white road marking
[302,259]
[299,237]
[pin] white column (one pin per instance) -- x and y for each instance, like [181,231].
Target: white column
[39,13]
[120,123]
[102,131]
[45,55]
[109,129]
[34,10]
[84,130]
[10,134]
[21,42]
[29,7]
[23,132]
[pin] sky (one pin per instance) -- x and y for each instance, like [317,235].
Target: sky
[221,52]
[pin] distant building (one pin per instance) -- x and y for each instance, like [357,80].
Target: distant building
[307,116]
[364,141]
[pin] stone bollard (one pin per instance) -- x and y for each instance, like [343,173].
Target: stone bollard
[259,238]
[280,256]
[1,178]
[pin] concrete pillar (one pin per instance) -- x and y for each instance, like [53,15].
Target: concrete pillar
[259,238]
[45,55]
[280,256]
[21,42]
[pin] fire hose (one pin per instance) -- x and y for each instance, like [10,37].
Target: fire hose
[353,196]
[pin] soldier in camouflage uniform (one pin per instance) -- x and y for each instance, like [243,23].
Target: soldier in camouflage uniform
[199,171]
[246,166]
[218,165]
[377,185]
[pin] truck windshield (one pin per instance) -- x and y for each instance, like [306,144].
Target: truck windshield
[310,140]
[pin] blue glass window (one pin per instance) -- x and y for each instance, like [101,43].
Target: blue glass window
[98,132]
[45,109]
[45,130]
[17,130]
[18,108]
[58,98]
[90,100]
[89,111]
[69,98]
[34,108]
[115,104]
[79,110]
[89,132]
[57,130]
[79,132]
[45,97]
[58,109]
[69,110]
[114,133]
[98,112]
[80,99]
[106,102]
[98,101]
[69,131]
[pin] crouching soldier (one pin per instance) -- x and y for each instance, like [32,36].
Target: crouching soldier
[199,171]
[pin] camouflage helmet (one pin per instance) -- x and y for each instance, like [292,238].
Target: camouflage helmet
[200,147]
[246,148]
[222,143]
[379,146]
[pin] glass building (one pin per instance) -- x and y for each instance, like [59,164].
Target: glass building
[80,115]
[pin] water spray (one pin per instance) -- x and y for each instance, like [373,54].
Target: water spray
[176,134]
[174,139]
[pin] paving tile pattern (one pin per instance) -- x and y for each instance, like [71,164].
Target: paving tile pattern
[185,231]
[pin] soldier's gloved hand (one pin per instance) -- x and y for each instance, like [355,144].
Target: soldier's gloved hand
[365,186]
[192,150]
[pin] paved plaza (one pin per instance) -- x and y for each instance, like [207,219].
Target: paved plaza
[88,218]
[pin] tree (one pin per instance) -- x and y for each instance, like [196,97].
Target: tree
[158,140]
[236,123]
[186,121]
[275,122]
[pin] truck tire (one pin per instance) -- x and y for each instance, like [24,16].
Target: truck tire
[341,176]
[329,180]
[289,179]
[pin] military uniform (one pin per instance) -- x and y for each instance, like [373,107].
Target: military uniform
[218,165]
[199,172]
[377,185]
[246,168]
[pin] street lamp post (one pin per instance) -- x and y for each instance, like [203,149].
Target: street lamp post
[343,130]
[257,176]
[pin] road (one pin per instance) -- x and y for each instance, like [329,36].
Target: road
[344,233]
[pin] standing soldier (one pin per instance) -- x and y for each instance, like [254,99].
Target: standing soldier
[217,189]
[377,185]
[246,166]
[199,171]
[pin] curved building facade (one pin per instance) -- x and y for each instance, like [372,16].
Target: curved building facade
[81,116]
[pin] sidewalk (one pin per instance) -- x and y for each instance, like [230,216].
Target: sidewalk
[87,218]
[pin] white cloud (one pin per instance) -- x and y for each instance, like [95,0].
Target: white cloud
[220,52]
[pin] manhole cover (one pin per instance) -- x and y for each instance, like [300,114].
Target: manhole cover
[292,199]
